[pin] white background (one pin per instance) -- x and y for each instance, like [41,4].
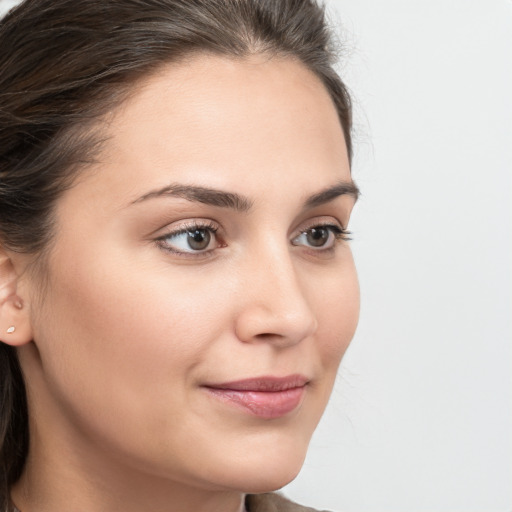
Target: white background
[421,419]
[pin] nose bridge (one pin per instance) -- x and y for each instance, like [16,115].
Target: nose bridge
[275,304]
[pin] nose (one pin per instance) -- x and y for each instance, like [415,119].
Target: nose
[274,306]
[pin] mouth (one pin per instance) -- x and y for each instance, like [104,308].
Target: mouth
[265,397]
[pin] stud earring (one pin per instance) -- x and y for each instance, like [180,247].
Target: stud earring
[11,329]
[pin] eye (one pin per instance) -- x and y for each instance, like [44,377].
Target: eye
[321,237]
[190,240]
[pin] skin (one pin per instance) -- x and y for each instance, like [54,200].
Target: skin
[130,330]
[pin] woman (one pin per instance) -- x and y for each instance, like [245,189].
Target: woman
[176,286]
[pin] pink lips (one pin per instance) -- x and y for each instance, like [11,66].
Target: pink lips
[266,397]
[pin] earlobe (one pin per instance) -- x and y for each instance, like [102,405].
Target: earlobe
[15,328]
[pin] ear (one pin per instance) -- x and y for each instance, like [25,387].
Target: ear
[15,328]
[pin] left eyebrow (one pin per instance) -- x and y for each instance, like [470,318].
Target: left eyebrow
[343,188]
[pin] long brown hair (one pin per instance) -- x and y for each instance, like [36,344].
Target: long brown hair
[63,64]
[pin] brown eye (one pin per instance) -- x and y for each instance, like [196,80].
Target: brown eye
[199,239]
[190,240]
[318,237]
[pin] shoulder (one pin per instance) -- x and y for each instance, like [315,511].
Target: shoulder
[273,502]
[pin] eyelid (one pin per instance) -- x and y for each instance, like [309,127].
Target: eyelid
[176,228]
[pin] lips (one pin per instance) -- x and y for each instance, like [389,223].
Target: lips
[265,397]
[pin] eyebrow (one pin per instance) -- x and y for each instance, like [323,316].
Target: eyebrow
[204,195]
[342,188]
[234,201]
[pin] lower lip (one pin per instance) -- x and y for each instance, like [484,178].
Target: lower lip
[265,404]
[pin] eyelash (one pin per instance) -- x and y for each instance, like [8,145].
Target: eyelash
[340,235]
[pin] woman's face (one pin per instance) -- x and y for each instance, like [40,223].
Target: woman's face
[200,293]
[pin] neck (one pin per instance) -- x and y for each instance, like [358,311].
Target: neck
[57,478]
[39,492]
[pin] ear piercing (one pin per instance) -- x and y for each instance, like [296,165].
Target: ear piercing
[18,303]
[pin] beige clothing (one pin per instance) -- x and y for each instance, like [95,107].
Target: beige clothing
[273,502]
[268,502]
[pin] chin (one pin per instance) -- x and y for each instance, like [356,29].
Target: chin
[267,478]
[266,470]
[271,480]
[262,457]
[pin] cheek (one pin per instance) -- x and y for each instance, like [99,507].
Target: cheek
[338,315]
[121,345]
[120,330]
[128,317]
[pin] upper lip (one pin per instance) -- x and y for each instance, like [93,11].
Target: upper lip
[266,383]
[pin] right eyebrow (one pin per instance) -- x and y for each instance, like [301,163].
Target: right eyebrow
[210,196]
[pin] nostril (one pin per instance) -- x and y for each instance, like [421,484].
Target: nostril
[268,336]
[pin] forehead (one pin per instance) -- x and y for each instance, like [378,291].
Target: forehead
[218,121]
